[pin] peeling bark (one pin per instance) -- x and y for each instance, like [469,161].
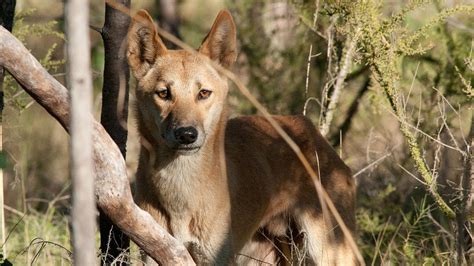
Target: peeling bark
[112,189]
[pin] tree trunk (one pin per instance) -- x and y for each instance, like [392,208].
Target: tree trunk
[340,134]
[115,114]
[112,189]
[80,80]
[7,13]
[168,19]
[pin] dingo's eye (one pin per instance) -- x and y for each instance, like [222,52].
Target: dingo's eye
[163,93]
[204,94]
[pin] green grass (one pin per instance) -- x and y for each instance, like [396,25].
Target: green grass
[39,238]
[44,238]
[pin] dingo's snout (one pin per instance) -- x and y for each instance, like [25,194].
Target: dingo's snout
[186,135]
[185,139]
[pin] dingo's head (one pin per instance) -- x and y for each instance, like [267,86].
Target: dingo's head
[180,96]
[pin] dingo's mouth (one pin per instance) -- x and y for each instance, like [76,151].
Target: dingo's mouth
[187,150]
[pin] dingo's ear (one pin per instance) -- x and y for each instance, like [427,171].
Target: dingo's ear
[144,44]
[220,42]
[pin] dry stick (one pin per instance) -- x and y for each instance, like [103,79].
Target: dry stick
[310,99]
[315,15]
[310,56]
[341,76]
[112,188]
[308,68]
[445,123]
[372,164]
[244,90]
[330,78]
[14,211]
[80,82]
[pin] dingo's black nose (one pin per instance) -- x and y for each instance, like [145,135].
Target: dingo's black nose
[186,135]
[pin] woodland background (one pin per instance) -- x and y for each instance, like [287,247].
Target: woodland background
[389,82]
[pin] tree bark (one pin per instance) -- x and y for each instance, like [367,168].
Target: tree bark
[114,114]
[79,78]
[7,13]
[112,189]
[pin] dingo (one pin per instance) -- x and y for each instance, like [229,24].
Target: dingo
[231,190]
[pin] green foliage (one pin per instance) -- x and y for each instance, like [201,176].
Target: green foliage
[384,56]
[14,94]
[22,29]
[385,45]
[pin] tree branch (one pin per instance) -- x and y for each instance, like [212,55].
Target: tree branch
[112,189]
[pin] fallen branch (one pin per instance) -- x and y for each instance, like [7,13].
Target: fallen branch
[112,189]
